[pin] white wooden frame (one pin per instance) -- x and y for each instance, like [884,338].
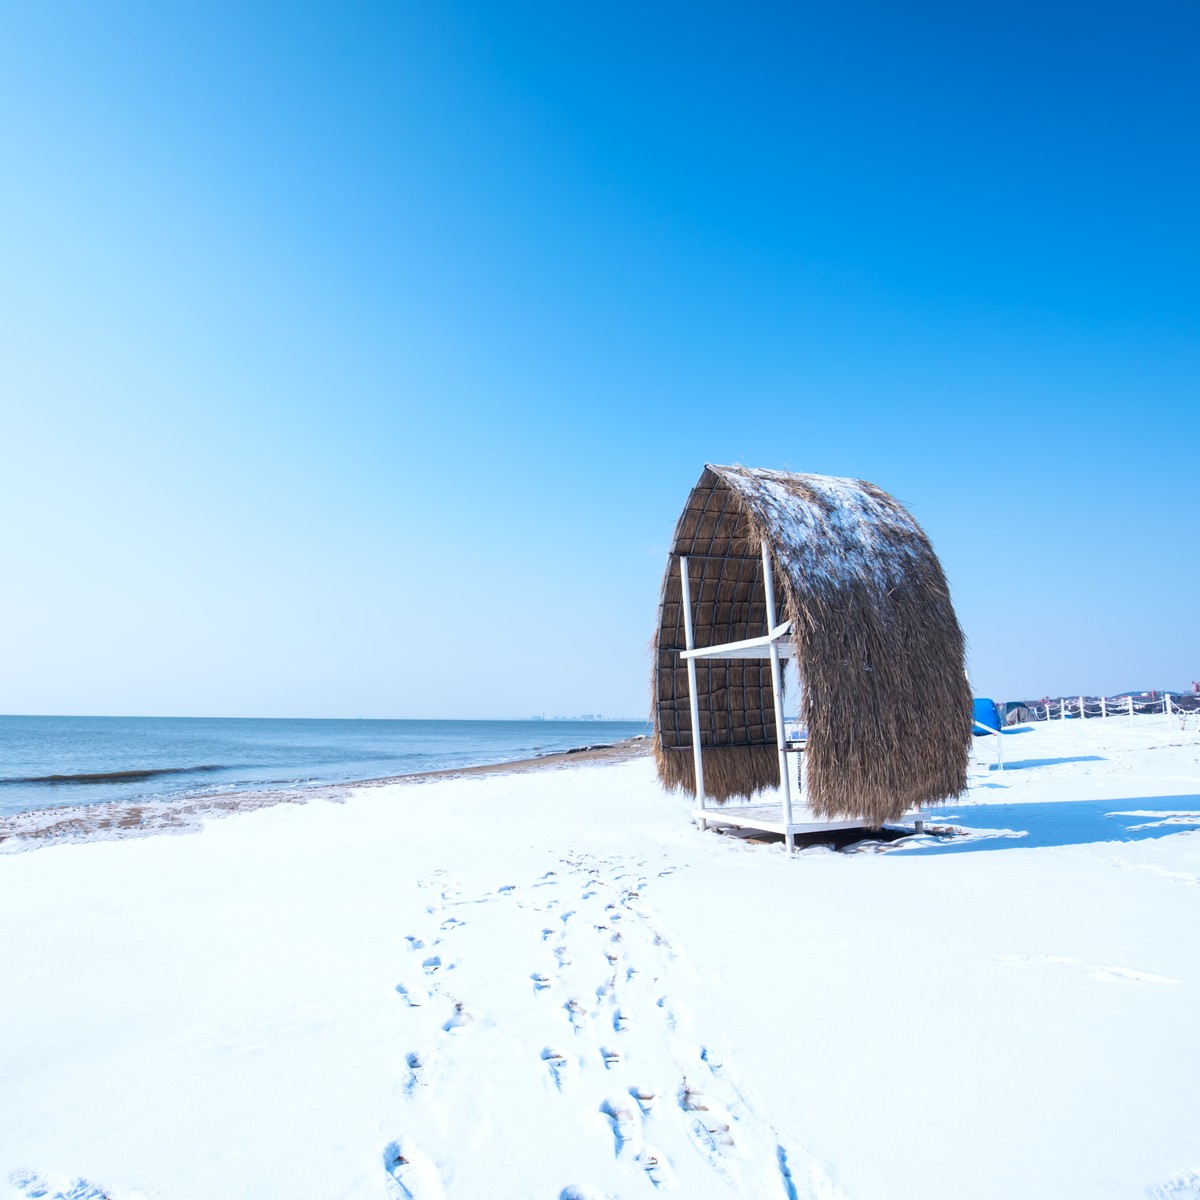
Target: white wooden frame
[775,646]
[999,741]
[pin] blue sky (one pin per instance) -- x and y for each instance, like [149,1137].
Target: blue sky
[356,360]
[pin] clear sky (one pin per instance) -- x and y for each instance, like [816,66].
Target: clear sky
[357,359]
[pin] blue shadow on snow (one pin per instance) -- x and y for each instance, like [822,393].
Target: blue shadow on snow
[1022,763]
[1063,823]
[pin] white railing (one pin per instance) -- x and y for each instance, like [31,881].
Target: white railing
[1118,706]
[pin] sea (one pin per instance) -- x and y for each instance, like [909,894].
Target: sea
[49,761]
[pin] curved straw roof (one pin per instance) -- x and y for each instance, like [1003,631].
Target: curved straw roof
[881,655]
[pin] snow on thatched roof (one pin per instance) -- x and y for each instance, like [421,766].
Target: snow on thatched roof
[880,652]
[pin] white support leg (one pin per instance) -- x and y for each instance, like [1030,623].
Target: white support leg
[693,702]
[785,784]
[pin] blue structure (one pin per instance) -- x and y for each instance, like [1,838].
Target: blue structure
[987,714]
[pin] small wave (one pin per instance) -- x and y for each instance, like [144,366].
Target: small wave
[114,776]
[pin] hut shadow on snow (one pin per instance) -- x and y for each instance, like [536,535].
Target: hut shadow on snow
[1037,826]
[1033,826]
[1024,763]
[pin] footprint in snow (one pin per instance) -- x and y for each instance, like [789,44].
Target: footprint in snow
[711,1125]
[410,1176]
[668,1016]
[452,923]
[414,997]
[1109,974]
[559,1065]
[580,1191]
[1182,1187]
[43,1187]
[418,1066]
[626,1125]
[432,965]
[414,942]
[540,982]
[458,1018]
[654,1163]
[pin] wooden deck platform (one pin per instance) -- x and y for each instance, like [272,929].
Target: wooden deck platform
[769,819]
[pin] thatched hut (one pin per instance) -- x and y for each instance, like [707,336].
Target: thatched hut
[767,565]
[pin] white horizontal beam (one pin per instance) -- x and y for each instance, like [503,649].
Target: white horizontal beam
[759,647]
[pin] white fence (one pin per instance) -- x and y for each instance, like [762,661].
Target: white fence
[1120,707]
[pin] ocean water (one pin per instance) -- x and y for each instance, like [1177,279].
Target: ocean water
[48,761]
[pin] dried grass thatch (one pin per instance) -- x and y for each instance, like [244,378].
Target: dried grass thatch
[880,651]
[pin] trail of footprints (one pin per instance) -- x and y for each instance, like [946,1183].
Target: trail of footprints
[677,1113]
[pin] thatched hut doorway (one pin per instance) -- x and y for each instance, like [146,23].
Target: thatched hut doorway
[835,573]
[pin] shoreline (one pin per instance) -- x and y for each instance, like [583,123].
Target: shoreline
[111,820]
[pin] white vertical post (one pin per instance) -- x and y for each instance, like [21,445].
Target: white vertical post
[1167,708]
[690,642]
[1062,709]
[1104,708]
[1000,748]
[1131,710]
[785,783]
[1082,711]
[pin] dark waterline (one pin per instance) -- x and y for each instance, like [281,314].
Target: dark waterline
[51,761]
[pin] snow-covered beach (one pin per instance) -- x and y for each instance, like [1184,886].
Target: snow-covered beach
[550,984]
